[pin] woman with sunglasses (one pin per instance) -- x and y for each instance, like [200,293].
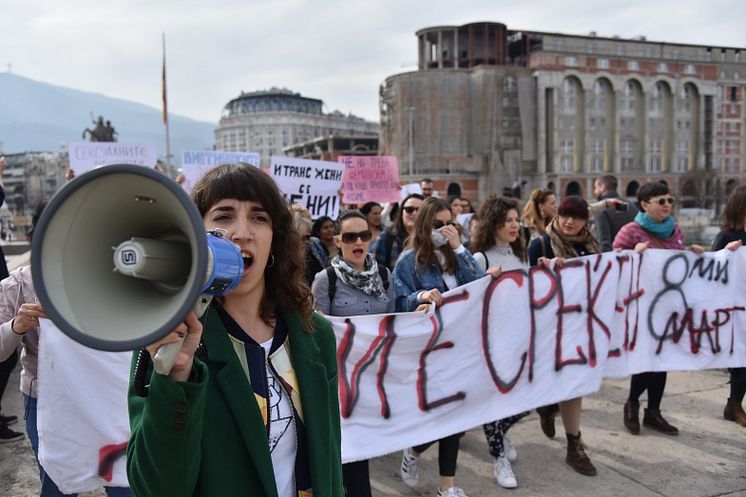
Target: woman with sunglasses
[497,243]
[354,284]
[250,406]
[434,262]
[372,212]
[390,244]
[653,227]
[732,236]
[567,236]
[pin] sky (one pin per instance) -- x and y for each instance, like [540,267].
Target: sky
[337,51]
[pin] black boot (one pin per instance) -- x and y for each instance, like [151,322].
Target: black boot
[577,458]
[632,417]
[546,418]
[653,419]
[734,412]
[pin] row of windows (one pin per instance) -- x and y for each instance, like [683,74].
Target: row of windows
[619,49]
[627,146]
[632,65]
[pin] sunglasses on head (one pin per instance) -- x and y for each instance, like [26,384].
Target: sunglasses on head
[439,224]
[663,200]
[410,209]
[351,237]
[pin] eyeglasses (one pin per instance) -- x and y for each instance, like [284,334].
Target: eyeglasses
[351,237]
[439,224]
[410,209]
[662,201]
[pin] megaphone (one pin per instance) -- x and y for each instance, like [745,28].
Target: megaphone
[120,256]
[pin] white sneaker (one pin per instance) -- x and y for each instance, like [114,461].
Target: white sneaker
[451,492]
[504,473]
[509,450]
[410,468]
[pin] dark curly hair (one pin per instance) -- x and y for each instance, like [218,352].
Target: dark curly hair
[491,217]
[285,289]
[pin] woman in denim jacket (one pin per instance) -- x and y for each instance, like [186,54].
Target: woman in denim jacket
[434,262]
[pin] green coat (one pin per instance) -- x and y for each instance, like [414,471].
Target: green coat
[207,438]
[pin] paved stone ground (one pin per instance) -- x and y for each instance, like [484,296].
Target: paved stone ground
[708,459]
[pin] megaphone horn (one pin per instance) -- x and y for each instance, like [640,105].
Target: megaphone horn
[120,256]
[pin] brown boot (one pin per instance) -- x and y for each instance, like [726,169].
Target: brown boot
[576,456]
[546,418]
[653,419]
[734,412]
[632,417]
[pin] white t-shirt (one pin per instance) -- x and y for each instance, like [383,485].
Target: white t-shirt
[282,434]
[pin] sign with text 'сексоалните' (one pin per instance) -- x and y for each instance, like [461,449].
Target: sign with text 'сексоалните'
[311,183]
[85,156]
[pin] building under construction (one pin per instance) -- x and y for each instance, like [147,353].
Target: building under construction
[490,107]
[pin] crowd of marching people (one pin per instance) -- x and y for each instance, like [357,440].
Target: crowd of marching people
[261,353]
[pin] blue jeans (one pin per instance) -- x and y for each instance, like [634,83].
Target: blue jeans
[49,487]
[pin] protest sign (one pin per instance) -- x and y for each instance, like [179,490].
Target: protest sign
[195,163]
[409,189]
[85,156]
[81,412]
[498,347]
[311,183]
[370,179]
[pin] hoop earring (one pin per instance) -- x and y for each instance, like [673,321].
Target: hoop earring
[272,261]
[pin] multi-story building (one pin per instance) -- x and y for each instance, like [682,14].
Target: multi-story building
[267,122]
[31,178]
[489,106]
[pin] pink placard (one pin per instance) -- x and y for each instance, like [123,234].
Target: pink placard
[370,179]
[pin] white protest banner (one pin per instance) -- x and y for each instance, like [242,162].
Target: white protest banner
[195,163]
[85,156]
[370,179]
[81,412]
[498,347]
[311,183]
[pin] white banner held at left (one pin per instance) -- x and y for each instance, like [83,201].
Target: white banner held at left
[81,412]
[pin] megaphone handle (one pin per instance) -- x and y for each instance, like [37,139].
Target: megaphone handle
[166,356]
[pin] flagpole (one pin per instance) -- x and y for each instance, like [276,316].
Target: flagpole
[165,112]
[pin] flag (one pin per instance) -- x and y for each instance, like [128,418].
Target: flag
[163,83]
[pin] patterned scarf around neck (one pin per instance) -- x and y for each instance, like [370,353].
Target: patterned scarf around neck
[562,245]
[368,281]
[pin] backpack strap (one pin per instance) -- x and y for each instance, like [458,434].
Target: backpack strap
[543,246]
[486,259]
[332,277]
[384,273]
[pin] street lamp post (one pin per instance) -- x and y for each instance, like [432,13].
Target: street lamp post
[410,110]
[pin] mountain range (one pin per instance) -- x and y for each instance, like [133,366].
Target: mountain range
[37,116]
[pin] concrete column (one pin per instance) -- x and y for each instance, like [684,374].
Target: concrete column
[455,48]
[439,52]
[541,128]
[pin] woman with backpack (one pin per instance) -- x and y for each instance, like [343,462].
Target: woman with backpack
[354,284]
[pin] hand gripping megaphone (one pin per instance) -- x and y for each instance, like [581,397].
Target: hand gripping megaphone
[120,256]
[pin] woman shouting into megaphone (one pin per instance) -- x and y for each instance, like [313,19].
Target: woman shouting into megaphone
[250,406]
